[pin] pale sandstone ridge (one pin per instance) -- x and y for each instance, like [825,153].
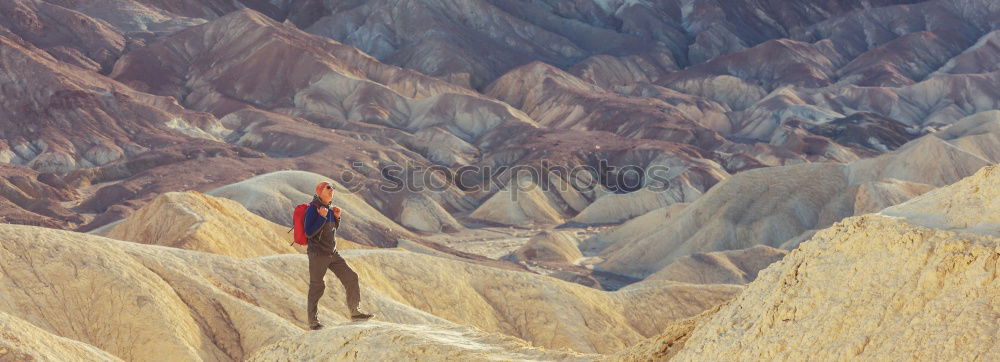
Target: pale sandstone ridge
[195,221]
[21,341]
[274,195]
[872,287]
[548,312]
[869,287]
[634,229]
[520,203]
[369,341]
[172,302]
[724,267]
[104,296]
[968,205]
[617,208]
[668,343]
[421,213]
[553,246]
[201,306]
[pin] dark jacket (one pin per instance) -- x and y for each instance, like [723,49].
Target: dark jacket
[321,231]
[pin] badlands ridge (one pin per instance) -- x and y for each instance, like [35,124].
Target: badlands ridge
[916,279]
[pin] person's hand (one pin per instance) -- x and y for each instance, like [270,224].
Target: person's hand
[322,211]
[336,212]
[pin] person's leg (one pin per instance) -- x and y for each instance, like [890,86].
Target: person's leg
[349,279]
[317,269]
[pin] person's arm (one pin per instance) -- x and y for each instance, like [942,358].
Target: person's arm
[336,216]
[314,222]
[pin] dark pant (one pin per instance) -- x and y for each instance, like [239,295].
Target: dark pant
[318,264]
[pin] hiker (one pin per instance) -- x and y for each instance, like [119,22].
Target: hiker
[321,223]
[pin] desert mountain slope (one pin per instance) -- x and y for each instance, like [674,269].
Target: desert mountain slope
[560,154]
[228,63]
[934,102]
[473,42]
[888,285]
[326,108]
[44,95]
[557,99]
[634,229]
[67,35]
[762,206]
[773,205]
[185,131]
[83,136]
[470,42]
[241,88]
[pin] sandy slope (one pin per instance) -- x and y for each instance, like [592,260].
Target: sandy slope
[21,341]
[141,302]
[726,267]
[968,205]
[900,284]
[555,246]
[369,341]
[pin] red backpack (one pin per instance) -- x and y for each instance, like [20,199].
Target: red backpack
[298,224]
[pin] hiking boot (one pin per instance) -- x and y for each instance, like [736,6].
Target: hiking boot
[359,316]
[315,326]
